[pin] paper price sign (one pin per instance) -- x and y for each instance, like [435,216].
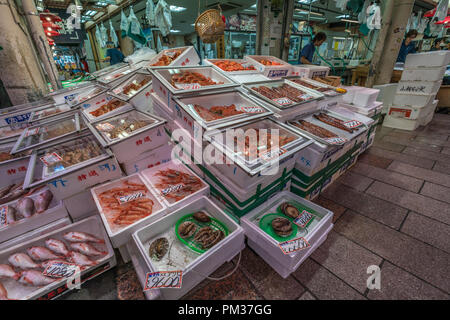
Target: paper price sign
[3,216]
[105,126]
[252,109]
[130,197]
[170,54]
[272,154]
[163,279]
[306,96]
[60,269]
[187,86]
[50,159]
[353,124]
[32,132]
[303,219]
[335,140]
[294,245]
[117,90]
[283,101]
[171,189]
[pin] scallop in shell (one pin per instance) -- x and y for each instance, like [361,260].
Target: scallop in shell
[289,210]
[187,229]
[158,248]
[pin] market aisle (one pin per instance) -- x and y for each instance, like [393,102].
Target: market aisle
[392,209]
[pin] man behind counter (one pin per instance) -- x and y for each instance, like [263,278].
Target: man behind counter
[306,56]
[408,45]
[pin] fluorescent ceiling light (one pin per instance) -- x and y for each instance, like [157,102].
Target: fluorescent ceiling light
[306,1]
[348,20]
[177,9]
[339,38]
[253,6]
[175,31]
[101,3]
[345,16]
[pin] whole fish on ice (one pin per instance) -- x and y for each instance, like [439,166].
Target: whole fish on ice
[75,236]
[35,278]
[22,261]
[43,201]
[41,253]
[80,259]
[25,207]
[57,246]
[6,271]
[3,292]
[86,249]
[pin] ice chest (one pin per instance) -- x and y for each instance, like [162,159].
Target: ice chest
[15,169]
[149,159]
[412,113]
[418,87]
[423,74]
[243,62]
[187,57]
[318,227]
[195,267]
[270,71]
[428,59]
[309,71]
[365,97]
[414,100]
[399,123]
[100,100]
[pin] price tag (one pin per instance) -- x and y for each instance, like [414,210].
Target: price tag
[294,245]
[251,109]
[272,154]
[306,96]
[400,112]
[130,197]
[4,216]
[335,140]
[117,90]
[303,219]
[170,54]
[283,101]
[60,269]
[171,189]
[163,279]
[32,132]
[50,159]
[353,124]
[105,126]
[187,86]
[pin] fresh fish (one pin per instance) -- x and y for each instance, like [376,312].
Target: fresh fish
[75,236]
[43,201]
[6,271]
[80,259]
[41,253]
[3,292]
[57,246]
[22,261]
[5,190]
[35,278]
[25,207]
[86,249]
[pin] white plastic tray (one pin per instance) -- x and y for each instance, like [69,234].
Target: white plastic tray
[273,72]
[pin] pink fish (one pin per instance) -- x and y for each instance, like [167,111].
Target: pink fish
[22,261]
[87,249]
[3,292]
[57,246]
[41,253]
[80,259]
[35,278]
[6,271]
[43,201]
[25,207]
[75,236]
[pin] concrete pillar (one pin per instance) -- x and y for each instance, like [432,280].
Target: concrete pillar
[21,72]
[386,52]
[269,27]
[41,43]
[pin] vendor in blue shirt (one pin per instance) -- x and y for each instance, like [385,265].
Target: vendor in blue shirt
[408,46]
[113,55]
[306,56]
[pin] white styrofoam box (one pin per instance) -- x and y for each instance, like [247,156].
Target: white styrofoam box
[427,59]
[423,74]
[309,71]
[198,266]
[368,111]
[315,231]
[90,225]
[244,63]
[188,57]
[350,114]
[426,119]
[149,159]
[95,103]
[245,78]
[113,78]
[273,72]
[329,102]
[368,143]
[120,235]
[80,205]
[418,101]
[412,113]
[387,93]
[365,97]
[55,211]
[418,87]
[399,123]
[66,94]
[349,96]
[149,175]
[46,228]
[14,170]
[167,113]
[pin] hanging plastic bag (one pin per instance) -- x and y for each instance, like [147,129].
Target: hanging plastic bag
[134,28]
[163,17]
[123,25]
[342,4]
[112,34]
[416,21]
[422,25]
[362,16]
[441,11]
[410,21]
[159,44]
[141,54]
[374,17]
[103,33]
[99,37]
[150,12]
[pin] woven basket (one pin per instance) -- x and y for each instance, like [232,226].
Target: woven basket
[209,26]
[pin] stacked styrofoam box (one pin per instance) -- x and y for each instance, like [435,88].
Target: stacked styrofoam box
[386,95]
[414,102]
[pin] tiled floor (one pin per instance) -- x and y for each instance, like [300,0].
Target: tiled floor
[392,209]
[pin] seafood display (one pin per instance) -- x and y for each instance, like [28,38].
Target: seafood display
[49,112]
[309,85]
[131,88]
[289,210]
[229,65]
[187,77]
[168,57]
[3,293]
[158,248]
[122,126]
[332,121]
[27,207]
[76,236]
[282,92]
[5,155]
[6,271]
[216,112]
[267,62]
[107,107]
[126,201]
[85,96]
[208,237]
[13,192]
[6,132]
[282,227]
[57,246]
[313,129]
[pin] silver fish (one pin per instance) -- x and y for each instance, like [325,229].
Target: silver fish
[75,236]
[86,249]
[25,207]
[22,261]
[80,259]
[6,271]
[35,278]
[43,201]
[41,253]
[3,292]
[57,246]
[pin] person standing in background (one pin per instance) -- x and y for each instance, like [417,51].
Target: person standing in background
[408,45]
[113,55]
[306,56]
[437,45]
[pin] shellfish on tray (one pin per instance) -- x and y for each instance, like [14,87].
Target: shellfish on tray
[158,248]
[289,210]
[201,217]
[282,226]
[208,237]
[187,229]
